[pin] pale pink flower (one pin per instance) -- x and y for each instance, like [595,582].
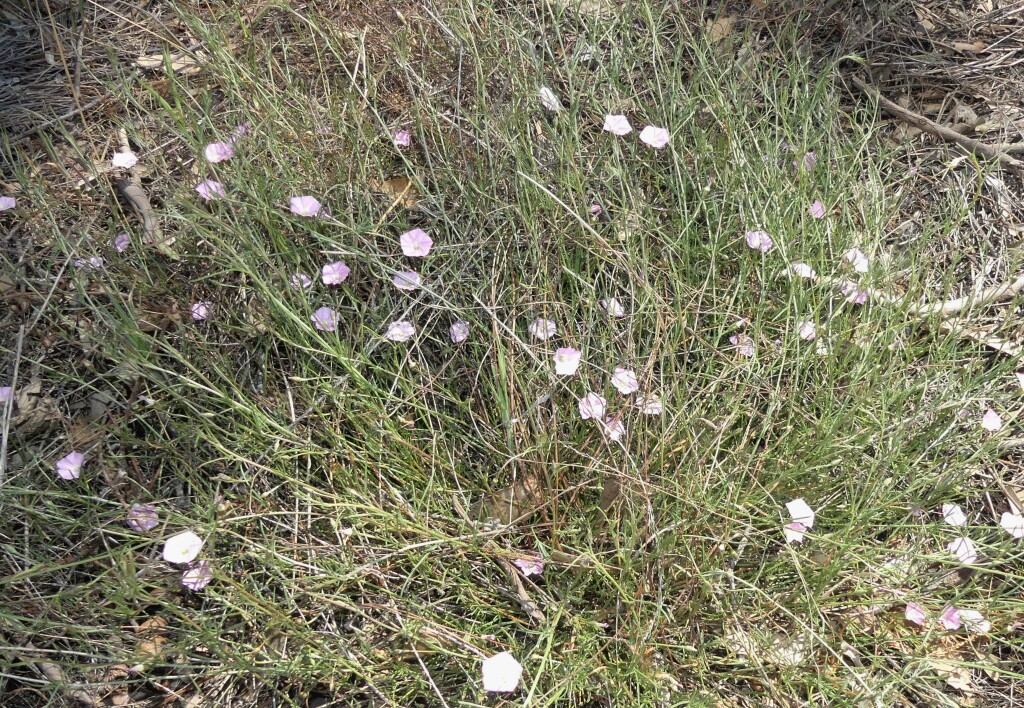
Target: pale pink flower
[854,295]
[542,329]
[459,332]
[182,547]
[592,406]
[402,138]
[803,270]
[613,307]
[209,189]
[501,673]
[974,622]
[70,466]
[964,550]
[800,511]
[807,330]
[334,273]
[198,576]
[301,281]
[400,331]
[121,242]
[549,100]
[656,137]
[613,428]
[1013,524]
[218,152]
[201,310]
[416,243]
[567,361]
[595,209]
[743,343]
[858,260]
[325,319]
[650,405]
[617,124]
[625,381]
[915,613]
[407,280]
[304,206]
[950,618]
[759,241]
[7,203]
[794,532]
[953,515]
[124,160]
[240,131]
[817,210]
[90,263]
[991,421]
[6,394]
[529,566]
[143,518]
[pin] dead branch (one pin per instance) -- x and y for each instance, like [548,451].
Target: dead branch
[940,131]
[131,188]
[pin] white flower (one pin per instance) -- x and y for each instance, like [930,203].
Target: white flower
[182,548]
[548,99]
[625,381]
[501,673]
[650,405]
[542,329]
[964,550]
[801,512]
[400,331]
[803,270]
[614,307]
[974,622]
[807,330]
[794,532]
[953,515]
[857,258]
[1013,524]
[567,361]
[592,406]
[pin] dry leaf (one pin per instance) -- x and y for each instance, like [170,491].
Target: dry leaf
[511,503]
[34,411]
[970,47]
[179,62]
[588,8]
[955,673]
[400,190]
[719,29]
[152,637]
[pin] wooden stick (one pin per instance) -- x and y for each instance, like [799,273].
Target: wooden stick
[941,131]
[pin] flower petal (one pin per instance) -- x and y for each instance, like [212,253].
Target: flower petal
[182,547]
[613,307]
[7,203]
[817,210]
[542,329]
[592,406]
[402,138]
[625,381]
[950,618]
[501,673]
[549,100]
[400,331]
[800,511]
[304,206]
[656,137]
[124,160]
[70,466]
[218,152]
[201,310]
[209,189]
[953,515]
[1013,524]
[915,613]
[143,518]
[198,576]
[334,273]
[759,241]
[459,332]
[964,550]
[567,361]
[617,124]
[407,280]
[794,532]
[991,421]
[325,319]
[415,243]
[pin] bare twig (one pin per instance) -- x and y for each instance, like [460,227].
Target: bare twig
[131,188]
[997,154]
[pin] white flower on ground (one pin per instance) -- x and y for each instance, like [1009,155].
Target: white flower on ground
[915,613]
[950,618]
[759,241]
[794,532]
[613,307]
[974,622]
[567,361]
[124,160]
[182,547]
[542,329]
[548,99]
[625,381]
[304,206]
[201,310]
[415,243]
[802,270]
[301,281]
[654,136]
[592,406]
[459,332]
[69,467]
[325,319]
[857,259]
[991,421]
[143,518]
[650,405]
[501,673]
[218,152]
[198,576]
[7,203]
[1013,524]
[617,124]
[807,330]
[614,428]
[743,343]
[530,566]
[801,512]
[400,331]
[953,515]
[964,550]
[407,280]
[854,295]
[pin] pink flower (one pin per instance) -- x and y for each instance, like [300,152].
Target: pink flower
[69,467]
[121,242]
[542,329]
[334,273]
[304,206]
[807,330]
[625,381]
[964,550]
[459,332]
[915,613]
[325,319]
[143,518]
[794,532]
[744,344]
[613,307]
[950,618]
[818,210]
[501,673]
[595,210]
[592,406]
[415,243]
[124,160]
[182,547]
[402,138]
[613,428]
[301,281]
[759,241]
[208,189]
[800,511]
[530,566]
[1013,524]
[240,131]
[400,331]
[650,405]
[803,270]
[953,515]
[201,310]
[854,295]
[549,100]
[198,576]
[567,361]
[407,280]
[617,124]
[656,137]
[6,394]
[218,152]
[991,421]
[7,203]
[858,260]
